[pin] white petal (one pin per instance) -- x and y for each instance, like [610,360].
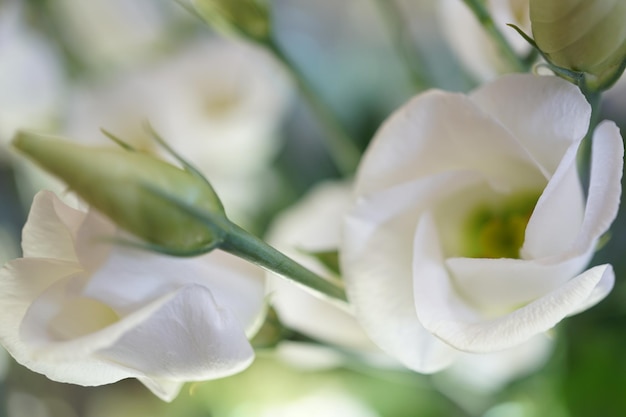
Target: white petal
[599,292]
[475,335]
[544,113]
[603,198]
[376,262]
[93,240]
[131,276]
[438,132]
[21,281]
[189,338]
[165,389]
[50,229]
[558,215]
[181,336]
[496,285]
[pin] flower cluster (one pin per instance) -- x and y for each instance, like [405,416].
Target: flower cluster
[463,237]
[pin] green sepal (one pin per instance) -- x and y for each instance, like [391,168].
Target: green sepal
[153,247]
[121,143]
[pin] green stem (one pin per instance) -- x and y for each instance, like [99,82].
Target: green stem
[233,239]
[341,147]
[395,23]
[247,246]
[484,17]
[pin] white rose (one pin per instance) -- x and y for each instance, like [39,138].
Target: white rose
[471,228]
[80,310]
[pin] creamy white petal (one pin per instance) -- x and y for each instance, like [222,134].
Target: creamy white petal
[603,197]
[165,389]
[556,220]
[494,286]
[21,281]
[131,276]
[438,132]
[181,336]
[51,228]
[544,113]
[481,336]
[377,270]
[189,338]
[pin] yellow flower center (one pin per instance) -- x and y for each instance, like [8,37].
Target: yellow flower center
[499,231]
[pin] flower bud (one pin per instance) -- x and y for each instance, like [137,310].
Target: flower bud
[586,36]
[140,193]
[248,18]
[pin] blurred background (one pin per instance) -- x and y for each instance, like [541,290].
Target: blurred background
[72,67]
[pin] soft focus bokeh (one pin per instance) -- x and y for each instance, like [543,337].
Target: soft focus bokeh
[73,67]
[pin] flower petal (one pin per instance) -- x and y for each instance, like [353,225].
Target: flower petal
[376,261]
[50,229]
[494,285]
[189,338]
[544,113]
[419,140]
[556,220]
[471,334]
[165,389]
[182,336]
[21,282]
[603,199]
[131,276]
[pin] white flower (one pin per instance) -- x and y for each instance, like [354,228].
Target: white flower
[107,33]
[80,310]
[217,102]
[450,190]
[311,226]
[473,45]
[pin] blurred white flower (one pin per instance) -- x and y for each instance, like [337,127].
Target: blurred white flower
[83,311]
[105,33]
[475,48]
[32,80]
[219,103]
[471,228]
[312,225]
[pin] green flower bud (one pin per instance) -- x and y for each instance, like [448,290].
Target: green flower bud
[248,18]
[140,193]
[587,36]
